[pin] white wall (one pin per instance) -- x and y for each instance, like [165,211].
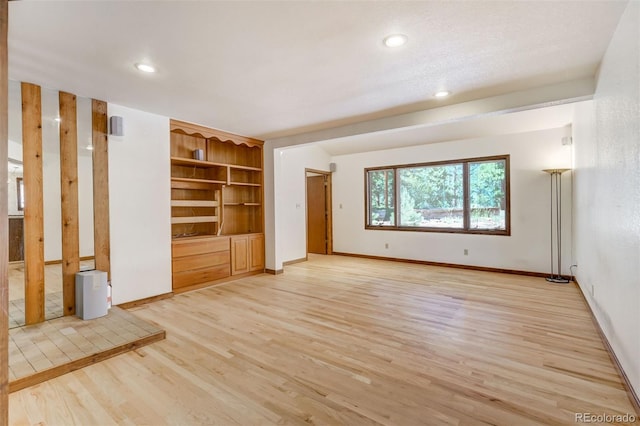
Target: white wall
[85,177]
[527,249]
[139,206]
[85,202]
[14,144]
[15,120]
[463,113]
[607,195]
[290,197]
[52,208]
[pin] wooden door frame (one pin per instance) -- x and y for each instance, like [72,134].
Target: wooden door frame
[328,191]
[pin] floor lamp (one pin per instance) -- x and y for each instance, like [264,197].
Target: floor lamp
[556,192]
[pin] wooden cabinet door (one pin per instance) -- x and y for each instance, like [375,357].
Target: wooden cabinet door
[256,252]
[239,254]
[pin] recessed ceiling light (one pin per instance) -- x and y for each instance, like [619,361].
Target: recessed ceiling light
[145,68]
[442,94]
[395,40]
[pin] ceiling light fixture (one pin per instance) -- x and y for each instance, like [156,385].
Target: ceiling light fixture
[145,68]
[442,94]
[395,40]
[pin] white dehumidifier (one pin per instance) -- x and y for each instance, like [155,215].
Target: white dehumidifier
[91,294]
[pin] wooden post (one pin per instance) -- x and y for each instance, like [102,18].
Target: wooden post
[4,240]
[33,207]
[102,248]
[69,200]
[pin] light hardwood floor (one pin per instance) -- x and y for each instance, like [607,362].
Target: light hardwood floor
[340,340]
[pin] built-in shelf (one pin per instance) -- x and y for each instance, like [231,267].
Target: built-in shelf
[255,169]
[245,184]
[194,203]
[179,161]
[194,180]
[194,219]
[188,237]
[212,199]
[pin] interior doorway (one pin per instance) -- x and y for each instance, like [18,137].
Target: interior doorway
[319,226]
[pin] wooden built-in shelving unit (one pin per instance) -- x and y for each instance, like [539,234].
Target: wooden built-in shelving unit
[216,205]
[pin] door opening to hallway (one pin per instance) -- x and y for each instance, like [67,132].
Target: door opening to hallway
[319,234]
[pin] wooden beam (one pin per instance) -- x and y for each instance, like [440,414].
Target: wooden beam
[33,209]
[4,239]
[69,200]
[102,248]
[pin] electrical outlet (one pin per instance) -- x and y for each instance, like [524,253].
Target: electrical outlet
[386,245]
[340,205]
[466,252]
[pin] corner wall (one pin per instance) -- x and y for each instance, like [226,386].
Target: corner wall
[607,195]
[139,206]
[290,197]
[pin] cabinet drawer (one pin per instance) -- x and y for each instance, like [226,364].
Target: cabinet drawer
[206,245]
[187,278]
[199,261]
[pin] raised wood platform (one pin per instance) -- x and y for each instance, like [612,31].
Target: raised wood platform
[43,351]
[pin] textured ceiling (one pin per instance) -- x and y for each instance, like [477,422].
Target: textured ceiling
[269,69]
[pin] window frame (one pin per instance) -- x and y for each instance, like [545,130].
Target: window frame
[466,229]
[367,195]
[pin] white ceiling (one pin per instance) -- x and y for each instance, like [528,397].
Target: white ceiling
[269,69]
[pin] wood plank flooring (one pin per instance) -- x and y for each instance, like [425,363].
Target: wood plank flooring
[339,340]
[49,349]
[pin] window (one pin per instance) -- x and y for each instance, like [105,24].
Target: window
[469,196]
[381,197]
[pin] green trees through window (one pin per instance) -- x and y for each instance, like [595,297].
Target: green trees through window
[381,196]
[487,194]
[468,195]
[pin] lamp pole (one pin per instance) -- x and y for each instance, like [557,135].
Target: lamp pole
[556,192]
